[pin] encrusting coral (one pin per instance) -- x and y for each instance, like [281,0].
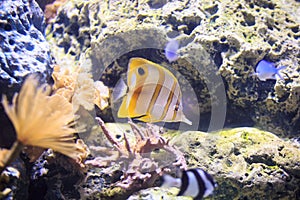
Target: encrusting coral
[42,120]
[140,169]
[51,9]
[77,85]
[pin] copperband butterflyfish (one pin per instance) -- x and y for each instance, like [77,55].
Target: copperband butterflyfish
[153,94]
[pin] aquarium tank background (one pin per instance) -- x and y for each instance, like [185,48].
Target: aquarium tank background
[150,99]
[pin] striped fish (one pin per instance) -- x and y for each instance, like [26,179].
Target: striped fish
[196,183]
[154,94]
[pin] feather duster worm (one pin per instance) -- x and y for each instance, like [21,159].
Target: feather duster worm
[42,120]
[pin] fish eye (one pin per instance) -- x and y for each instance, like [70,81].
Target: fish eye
[141,71]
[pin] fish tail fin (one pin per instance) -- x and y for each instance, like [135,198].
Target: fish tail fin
[281,68]
[278,75]
[169,181]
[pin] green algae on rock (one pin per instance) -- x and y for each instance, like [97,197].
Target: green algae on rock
[158,193]
[237,34]
[246,162]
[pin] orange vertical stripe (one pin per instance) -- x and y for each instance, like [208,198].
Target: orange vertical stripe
[133,100]
[171,95]
[158,87]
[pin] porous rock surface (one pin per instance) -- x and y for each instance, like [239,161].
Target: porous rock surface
[23,50]
[247,163]
[227,38]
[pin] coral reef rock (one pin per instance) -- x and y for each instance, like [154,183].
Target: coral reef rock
[13,184]
[135,156]
[220,44]
[158,193]
[24,50]
[247,163]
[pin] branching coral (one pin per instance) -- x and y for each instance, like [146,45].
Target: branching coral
[140,169]
[42,120]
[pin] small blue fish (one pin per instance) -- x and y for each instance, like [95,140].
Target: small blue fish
[171,50]
[267,70]
[196,183]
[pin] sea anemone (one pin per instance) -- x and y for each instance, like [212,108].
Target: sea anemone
[43,120]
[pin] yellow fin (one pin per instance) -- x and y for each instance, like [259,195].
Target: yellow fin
[145,118]
[123,110]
